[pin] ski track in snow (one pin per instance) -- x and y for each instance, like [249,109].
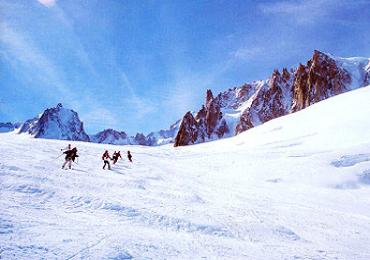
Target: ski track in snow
[271,193]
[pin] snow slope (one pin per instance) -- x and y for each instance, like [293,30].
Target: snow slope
[297,187]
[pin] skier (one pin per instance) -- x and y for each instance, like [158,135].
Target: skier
[106,158]
[71,155]
[115,156]
[129,156]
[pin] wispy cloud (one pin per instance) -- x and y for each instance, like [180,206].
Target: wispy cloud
[248,53]
[78,49]
[308,11]
[47,3]
[142,105]
[26,57]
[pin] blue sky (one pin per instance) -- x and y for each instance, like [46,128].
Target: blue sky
[138,66]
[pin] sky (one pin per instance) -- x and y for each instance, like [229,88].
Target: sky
[139,66]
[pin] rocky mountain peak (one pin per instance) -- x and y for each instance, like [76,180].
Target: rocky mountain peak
[278,80]
[209,96]
[320,79]
[56,123]
[188,131]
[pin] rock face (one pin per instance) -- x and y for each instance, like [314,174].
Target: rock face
[321,78]
[56,123]
[217,118]
[239,109]
[272,99]
[188,131]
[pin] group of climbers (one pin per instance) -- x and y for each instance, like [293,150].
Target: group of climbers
[116,155]
[71,155]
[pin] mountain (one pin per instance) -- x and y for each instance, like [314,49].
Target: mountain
[64,124]
[56,123]
[8,127]
[230,112]
[30,126]
[163,136]
[239,109]
[111,136]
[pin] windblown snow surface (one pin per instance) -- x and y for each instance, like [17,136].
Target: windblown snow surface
[297,187]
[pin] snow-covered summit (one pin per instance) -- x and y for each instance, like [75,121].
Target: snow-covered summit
[56,123]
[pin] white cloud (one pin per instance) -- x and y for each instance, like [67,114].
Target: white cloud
[47,3]
[248,53]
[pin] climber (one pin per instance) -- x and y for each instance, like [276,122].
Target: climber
[116,156]
[129,156]
[70,157]
[105,157]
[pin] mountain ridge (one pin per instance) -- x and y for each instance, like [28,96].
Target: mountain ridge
[227,114]
[236,110]
[64,124]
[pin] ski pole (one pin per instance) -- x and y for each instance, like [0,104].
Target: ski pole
[59,156]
